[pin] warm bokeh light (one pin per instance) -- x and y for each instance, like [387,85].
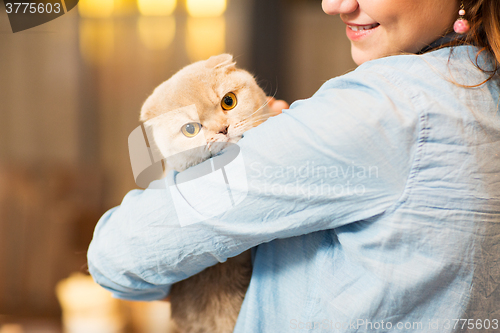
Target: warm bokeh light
[96,40]
[125,7]
[205,37]
[156,7]
[206,8]
[156,33]
[87,307]
[96,8]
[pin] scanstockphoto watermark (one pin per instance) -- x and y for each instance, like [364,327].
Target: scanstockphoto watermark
[309,179]
[359,324]
[400,326]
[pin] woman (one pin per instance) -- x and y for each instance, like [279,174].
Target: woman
[375,204]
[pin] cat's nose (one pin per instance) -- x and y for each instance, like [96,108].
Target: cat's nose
[223,130]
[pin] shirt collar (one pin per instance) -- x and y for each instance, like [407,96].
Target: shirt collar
[452,36]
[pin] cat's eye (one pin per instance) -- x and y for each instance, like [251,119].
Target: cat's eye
[191,129]
[229,101]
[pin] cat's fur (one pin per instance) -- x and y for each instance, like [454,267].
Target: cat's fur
[208,302]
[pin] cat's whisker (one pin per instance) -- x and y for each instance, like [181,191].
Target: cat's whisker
[257,119]
[244,126]
[253,120]
[261,107]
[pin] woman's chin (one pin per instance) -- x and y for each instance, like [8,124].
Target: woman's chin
[360,56]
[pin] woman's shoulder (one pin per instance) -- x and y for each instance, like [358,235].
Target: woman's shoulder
[463,54]
[433,75]
[464,65]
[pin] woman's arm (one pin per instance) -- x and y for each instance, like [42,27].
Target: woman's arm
[341,156]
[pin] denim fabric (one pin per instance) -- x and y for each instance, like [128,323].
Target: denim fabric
[374,203]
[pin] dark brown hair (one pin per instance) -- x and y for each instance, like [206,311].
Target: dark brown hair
[484,19]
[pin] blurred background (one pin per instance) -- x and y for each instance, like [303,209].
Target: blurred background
[70,94]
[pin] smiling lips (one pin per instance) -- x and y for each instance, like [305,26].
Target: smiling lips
[362,27]
[355,32]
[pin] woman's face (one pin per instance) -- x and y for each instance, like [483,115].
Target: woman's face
[379,28]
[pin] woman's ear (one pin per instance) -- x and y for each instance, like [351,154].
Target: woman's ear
[221,61]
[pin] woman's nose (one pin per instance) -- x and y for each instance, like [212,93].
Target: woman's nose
[334,7]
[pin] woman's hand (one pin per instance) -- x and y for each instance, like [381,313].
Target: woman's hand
[276,105]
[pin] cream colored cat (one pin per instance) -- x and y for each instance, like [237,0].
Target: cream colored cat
[228,102]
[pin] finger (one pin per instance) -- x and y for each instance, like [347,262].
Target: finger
[281,104]
[276,106]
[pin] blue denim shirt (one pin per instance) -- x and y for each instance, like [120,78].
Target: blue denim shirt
[372,206]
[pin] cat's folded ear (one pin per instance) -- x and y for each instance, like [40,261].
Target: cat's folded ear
[220,61]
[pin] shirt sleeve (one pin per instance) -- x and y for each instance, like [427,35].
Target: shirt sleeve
[341,156]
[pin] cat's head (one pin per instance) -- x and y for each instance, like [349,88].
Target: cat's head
[201,109]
